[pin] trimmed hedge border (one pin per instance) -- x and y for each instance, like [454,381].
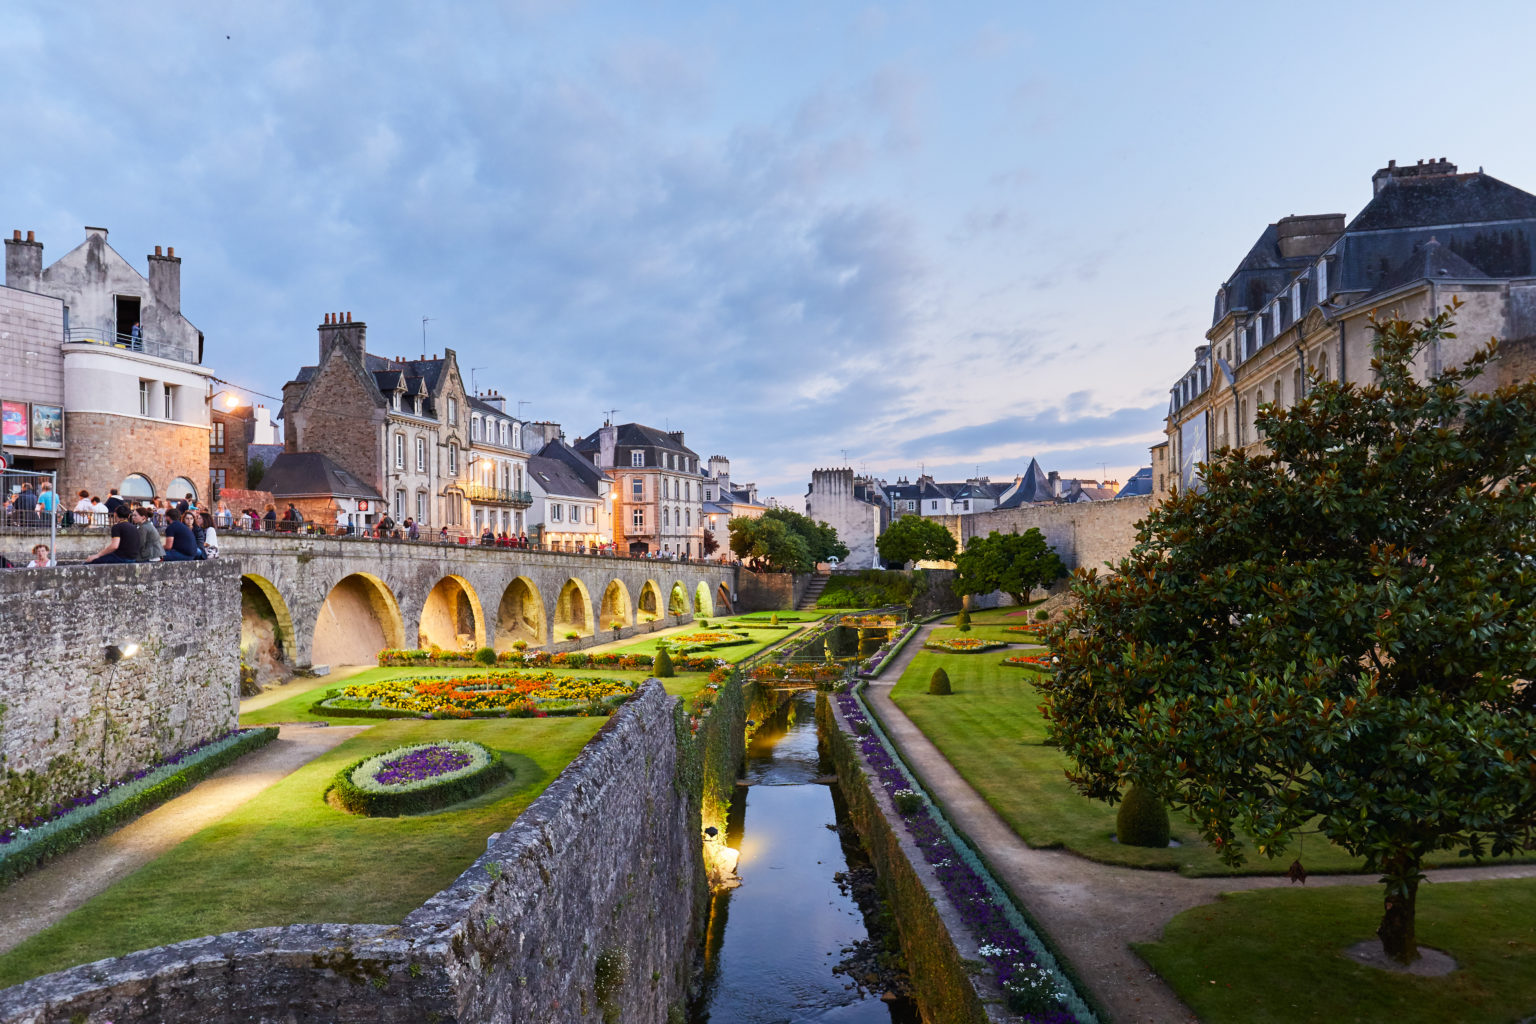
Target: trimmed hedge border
[105,816]
[355,800]
[983,646]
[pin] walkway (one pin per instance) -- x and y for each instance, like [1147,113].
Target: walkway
[43,897]
[1092,911]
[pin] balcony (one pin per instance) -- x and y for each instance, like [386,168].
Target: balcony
[161,348]
[487,495]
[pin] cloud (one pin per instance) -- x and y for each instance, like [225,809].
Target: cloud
[1053,428]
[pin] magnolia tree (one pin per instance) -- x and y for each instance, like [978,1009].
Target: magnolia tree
[1336,635]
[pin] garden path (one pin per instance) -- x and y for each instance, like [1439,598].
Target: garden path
[43,897]
[299,684]
[1092,911]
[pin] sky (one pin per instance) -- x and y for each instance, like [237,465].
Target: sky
[901,237]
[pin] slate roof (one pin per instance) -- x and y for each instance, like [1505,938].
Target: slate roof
[573,461]
[1034,486]
[267,453]
[1140,483]
[636,435]
[558,479]
[1430,260]
[302,474]
[1443,199]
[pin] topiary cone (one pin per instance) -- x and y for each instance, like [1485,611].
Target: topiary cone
[1142,820]
[938,683]
[963,621]
[661,668]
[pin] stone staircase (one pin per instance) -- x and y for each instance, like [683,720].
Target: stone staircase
[812,592]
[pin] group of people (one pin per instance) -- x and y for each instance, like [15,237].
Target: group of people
[491,539]
[144,533]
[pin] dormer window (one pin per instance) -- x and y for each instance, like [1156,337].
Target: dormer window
[396,400]
[637,458]
[417,405]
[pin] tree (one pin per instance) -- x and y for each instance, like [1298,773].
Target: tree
[820,539]
[767,545]
[915,539]
[1014,563]
[1332,637]
[254,471]
[711,545]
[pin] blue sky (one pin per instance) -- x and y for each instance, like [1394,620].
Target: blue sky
[932,236]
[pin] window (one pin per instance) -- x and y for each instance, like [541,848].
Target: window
[395,400]
[453,412]
[688,517]
[474,432]
[637,488]
[503,433]
[575,514]
[421,455]
[637,458]
[216,438]
[399,451]
[216,480]
[637,518]
[517,435]
[136,485]
[709,494]
[169,393]
[453,460]
[591,515]
[143,398]
[555,511]
[180,488]
[665,518]
[399,504]
[421,507]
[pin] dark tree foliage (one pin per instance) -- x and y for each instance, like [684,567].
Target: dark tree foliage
[915,539]
[781,540]
[711,545]
[1335,636]
[1014,563]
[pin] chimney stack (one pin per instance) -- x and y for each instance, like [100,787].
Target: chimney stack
[165,280]
[337,327]
[23,262]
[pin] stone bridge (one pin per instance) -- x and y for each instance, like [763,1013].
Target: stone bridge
[309,601]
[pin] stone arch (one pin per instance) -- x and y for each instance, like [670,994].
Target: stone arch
[451,617]
[703,601]
[616,609]
[520,615]
[723,599]
[267,640]
[650,600]
[677,600]
[358,618]
[573,610]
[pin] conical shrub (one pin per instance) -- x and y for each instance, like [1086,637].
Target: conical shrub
[662,667]
[1142,819]
[963,621]
[938,683]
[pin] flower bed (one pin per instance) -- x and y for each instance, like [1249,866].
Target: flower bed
[1027,973]
[541,659]
[1028,633]
[802,672]
[502,694]
[871,621]
[705,640]
[416,778]
[89,815]
[963,645]
[1039,662]
[876,663]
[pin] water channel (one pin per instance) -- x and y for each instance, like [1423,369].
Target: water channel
[773,944]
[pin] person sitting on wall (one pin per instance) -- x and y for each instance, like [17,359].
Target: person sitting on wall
[40,559]
[151,545]
[123,546]
[180,544]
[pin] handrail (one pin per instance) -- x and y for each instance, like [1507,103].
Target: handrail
[147,344]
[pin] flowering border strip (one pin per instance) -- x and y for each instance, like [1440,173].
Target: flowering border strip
[888,651]
[95,814]
[1036,984]
[391,802]
[973,645]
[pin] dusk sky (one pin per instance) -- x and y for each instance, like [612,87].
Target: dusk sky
[926,235]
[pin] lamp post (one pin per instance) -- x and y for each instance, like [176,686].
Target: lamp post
[115,655]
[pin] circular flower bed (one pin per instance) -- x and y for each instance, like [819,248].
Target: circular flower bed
[964,645]
[416,778]
[1035,661]
[705,640]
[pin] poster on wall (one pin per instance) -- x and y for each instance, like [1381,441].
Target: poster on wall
[47,426]
[1192,451]
[14,417]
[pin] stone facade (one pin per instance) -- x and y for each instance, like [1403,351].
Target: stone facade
[69,718]
[851,507]
[229,438]
[107,448]
[519,936]
[1086,534]
[771,591]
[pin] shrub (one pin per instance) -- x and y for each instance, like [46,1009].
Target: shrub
[963,621]
[520,646]
[572,636]
[774,621]
[907,801]
[938,683]
[358,793]
[1142,819]
[1042,615]
[702,701]
[662,667]
[486,656]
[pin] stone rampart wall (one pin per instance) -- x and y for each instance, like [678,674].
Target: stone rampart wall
[1085,535]
[520,935]
[68,718]
[771,591]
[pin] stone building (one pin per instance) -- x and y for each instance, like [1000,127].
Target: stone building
[570,498]
[855,507]
[658,494]
[497,485]
[725,500]
[400,426]
[1299,303]
[133,413]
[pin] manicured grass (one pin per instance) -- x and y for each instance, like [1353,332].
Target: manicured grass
[989,625]
[736,652]
[1275,956]
[295,708]
[287,857]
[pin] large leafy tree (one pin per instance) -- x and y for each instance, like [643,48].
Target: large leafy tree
[1014,563]
[1335,635]
[820,539]
[915,539]
[767,545]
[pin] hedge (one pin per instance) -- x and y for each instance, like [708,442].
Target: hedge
[356,800]
[80,826]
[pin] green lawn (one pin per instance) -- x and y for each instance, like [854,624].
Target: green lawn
[1274,956]
[760,638]
[296,707]
[287,857]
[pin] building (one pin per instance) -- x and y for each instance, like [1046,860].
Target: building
[570,500]
[326,494]
[725,500]
[658,502]
[854,506]
[497,485]
[104,381]
[400,426]
[1299,303]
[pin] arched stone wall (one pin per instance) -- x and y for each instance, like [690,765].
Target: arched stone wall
[723,600]
[267,641]
[451,617]
[677,600]
[615,609]
[703,601]
[520,616]
[650,600]
[358,618]
[573,610]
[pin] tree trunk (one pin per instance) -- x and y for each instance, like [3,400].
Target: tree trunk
[1396,932]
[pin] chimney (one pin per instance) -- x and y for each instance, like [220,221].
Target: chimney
[340,327]
[165,281]
[1053,479]
[1308,236]
[23,262]
[676,435]
[1416,172]
[607,442]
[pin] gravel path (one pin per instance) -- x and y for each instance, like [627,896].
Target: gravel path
[1092,911]
[39,899]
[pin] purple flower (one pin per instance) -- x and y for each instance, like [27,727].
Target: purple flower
[422,763]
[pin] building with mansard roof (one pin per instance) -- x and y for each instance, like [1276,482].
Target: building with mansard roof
[658,496]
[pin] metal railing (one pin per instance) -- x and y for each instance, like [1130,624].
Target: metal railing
[30,513]
[498,495]
[152,345]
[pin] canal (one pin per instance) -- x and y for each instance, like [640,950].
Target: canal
[803,937]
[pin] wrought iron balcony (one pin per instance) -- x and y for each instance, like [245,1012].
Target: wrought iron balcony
[149,344]
[498,496]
